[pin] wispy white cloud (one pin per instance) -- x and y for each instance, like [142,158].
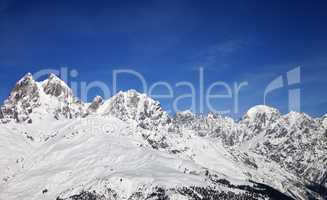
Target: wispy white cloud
[217,56]
[228,47]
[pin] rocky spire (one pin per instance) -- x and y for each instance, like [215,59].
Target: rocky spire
[25,88]
[23,98]
[56,87]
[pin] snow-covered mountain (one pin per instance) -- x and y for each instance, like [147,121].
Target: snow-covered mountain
[132,105]
[31,100]
[53,146]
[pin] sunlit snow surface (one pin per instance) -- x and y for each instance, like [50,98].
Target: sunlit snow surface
[105,152]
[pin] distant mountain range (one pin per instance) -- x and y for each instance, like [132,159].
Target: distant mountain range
[54,146]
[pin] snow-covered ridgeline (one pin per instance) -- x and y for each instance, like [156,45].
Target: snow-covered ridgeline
[54,145]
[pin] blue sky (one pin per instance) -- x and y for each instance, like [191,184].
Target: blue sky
[235,41]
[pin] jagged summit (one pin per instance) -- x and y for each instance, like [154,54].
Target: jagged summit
[131,105]
[24,88]
[21,101]
[54,97]
[297,117]
[53,85]
[31,99]
[56,87]
[185,118]
[29,94]
[28,76]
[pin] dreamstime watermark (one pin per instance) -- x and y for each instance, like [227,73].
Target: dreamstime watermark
[201,96]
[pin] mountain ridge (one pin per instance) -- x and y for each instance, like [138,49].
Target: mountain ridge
[54,86]
[285,152]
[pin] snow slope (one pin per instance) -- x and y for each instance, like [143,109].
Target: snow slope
[105,152]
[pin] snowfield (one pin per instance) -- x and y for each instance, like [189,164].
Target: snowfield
[79,158]
[52,146]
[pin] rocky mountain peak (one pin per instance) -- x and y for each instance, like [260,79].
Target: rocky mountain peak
[296,117]
[136,106]
[51,97]
[23,98]
[260,116]
[184,118]
[56,87]
[186,114]
[261,110]
[26,78]
[25,88]
[258,119]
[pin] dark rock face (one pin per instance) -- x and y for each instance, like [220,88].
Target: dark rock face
[1,114]
[23,98]
[200,193]
[319,189]
[260,191]
[26,87]
[84,195]
[56,87]
[219,188]
[156,142]
[96,103]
